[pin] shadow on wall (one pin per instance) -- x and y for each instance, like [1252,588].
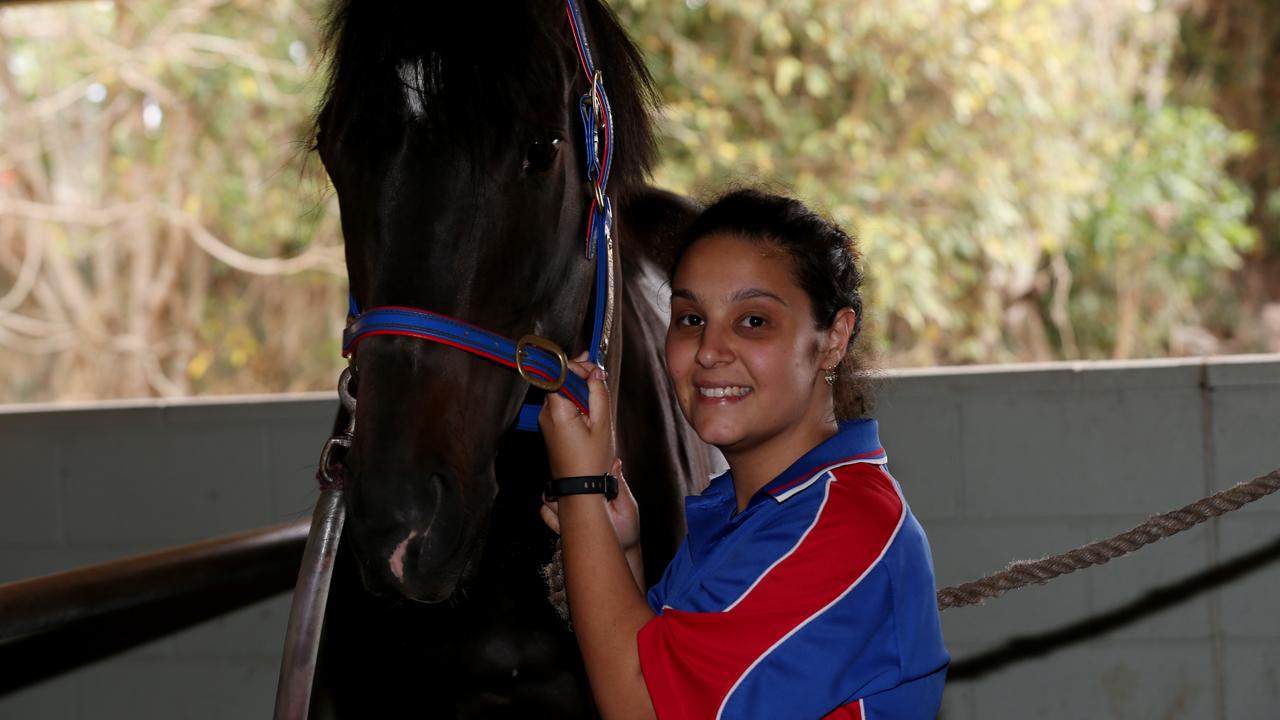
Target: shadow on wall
[1158,599]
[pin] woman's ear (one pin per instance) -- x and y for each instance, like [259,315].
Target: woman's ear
[837,340]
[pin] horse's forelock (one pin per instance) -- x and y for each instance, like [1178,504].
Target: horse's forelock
[471,66]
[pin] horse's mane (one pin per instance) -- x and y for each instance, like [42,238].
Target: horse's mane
[480,67]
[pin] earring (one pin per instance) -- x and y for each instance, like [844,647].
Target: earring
[831,376]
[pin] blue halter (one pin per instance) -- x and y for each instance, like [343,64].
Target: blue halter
[538,360]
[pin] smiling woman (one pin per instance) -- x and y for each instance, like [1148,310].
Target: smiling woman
[804,588]
[763,280]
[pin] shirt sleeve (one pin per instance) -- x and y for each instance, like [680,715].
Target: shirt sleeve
[811,633]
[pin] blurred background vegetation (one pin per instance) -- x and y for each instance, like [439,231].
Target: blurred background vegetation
[1061,179]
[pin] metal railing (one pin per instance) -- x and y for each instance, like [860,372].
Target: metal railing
[55,623]
[45,603]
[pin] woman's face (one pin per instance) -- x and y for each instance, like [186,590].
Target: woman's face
[743,352]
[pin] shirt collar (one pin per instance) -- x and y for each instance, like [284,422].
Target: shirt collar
[855,441]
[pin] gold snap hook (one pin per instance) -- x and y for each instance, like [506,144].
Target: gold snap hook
[549,346]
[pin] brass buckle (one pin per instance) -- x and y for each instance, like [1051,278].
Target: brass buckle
[549,346]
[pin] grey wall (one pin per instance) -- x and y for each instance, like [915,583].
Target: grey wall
[1001,463]
[1022,462]
[94,483]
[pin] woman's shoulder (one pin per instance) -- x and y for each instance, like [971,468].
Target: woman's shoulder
[845,507]
[853,493]
[867,489]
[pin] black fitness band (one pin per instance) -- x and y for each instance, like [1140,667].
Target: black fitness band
[582,485]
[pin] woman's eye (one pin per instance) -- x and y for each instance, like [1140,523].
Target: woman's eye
[689,320]
[753,321]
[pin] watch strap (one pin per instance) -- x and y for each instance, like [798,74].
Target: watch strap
[606,485]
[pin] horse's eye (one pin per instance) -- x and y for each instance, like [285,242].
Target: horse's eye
[541,154]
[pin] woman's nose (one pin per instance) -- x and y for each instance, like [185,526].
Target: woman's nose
[714,348]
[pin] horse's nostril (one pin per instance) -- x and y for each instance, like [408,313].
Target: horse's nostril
[442,490]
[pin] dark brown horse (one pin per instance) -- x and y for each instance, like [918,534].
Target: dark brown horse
[452,136]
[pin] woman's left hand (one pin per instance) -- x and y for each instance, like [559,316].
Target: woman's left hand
[624,514]
[579,444]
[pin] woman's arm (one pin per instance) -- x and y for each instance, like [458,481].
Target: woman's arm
[635,561]
[625,517]
[607,607]
[606,602]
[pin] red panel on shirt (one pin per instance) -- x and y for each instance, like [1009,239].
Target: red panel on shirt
[691,661]
[852,711]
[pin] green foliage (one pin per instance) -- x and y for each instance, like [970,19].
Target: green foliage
[1168,217]
[985,152]
[1021,181]
[184,126]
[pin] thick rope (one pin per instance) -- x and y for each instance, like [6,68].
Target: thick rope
[1024,572]
[553,574]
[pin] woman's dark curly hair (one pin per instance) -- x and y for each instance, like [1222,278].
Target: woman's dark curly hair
[824,263]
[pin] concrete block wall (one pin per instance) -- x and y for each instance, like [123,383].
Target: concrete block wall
[999,463]
[87,484]
[1026,461]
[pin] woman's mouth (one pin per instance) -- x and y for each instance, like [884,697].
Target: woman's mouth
[728,391]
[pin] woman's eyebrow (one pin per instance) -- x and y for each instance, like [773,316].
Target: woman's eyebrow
[753,293]
[737,296]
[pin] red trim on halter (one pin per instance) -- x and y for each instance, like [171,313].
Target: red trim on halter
[586,71]
[581,55]
[577,402]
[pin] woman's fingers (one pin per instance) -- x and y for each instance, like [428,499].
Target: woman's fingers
[598,392]
[598,401]
[624,490]
[558,410]
[550,516]
[623,512]
[555,409]
[579,365]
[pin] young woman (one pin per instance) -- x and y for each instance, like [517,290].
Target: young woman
[805,587]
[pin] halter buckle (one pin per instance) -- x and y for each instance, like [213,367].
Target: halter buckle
[549,346]
[599,197]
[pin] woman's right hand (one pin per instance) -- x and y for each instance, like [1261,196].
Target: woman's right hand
[623,512]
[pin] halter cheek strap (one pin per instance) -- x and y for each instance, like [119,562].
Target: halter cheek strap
[538,360]
[597,133]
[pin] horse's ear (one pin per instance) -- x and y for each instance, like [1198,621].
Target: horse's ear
[658,216]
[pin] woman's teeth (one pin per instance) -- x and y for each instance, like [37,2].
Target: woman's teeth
[732,391]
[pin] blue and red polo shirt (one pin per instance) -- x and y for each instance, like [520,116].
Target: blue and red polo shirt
[816,601]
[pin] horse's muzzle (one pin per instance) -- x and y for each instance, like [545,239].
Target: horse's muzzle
[410,535]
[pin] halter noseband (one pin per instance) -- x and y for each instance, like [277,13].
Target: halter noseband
[538,360]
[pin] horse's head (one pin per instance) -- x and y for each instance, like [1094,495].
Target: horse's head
[454,143]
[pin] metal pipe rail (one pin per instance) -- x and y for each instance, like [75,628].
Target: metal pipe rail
[45,604]
[306,618]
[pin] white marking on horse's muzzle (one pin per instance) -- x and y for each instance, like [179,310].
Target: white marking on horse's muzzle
[396,561]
